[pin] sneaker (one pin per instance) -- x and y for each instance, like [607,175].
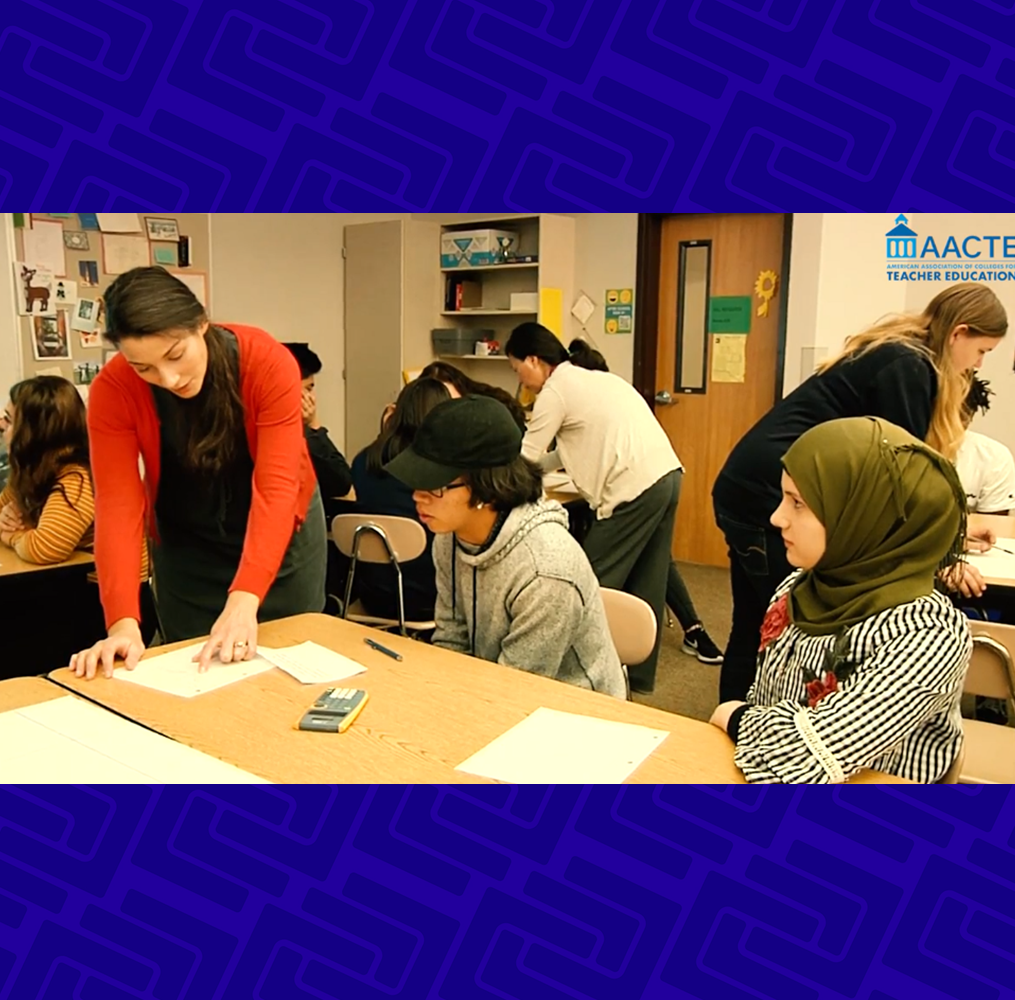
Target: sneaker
[698,643]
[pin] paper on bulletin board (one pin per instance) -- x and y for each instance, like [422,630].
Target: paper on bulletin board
[119,222]
[122,253]
[551,310]
[44,247]
[197,282]
[729,357]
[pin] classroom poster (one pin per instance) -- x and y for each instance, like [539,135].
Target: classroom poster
[619,310]
[49,337]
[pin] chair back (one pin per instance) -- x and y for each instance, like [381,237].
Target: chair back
[380,536]
[632,625]
[991,671]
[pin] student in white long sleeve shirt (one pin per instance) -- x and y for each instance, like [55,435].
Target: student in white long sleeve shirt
[985,466]
[612,447]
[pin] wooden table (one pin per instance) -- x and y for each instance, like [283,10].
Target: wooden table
[426,715]
[20,692]
[11,564]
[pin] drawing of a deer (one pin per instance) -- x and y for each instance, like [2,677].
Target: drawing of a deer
[32,293]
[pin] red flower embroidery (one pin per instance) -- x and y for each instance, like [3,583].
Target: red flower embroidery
[817,689]
[775,623]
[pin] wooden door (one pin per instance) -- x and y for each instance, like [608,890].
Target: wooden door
[705,423]
[373,328]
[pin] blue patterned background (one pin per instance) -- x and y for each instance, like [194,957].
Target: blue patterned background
[352,105]
[519,105]
[458,893]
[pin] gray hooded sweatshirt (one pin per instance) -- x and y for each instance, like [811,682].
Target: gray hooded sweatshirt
[530,601]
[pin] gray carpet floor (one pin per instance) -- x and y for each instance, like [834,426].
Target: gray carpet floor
[683,685]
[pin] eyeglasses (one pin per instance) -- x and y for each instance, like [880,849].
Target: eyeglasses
[438,493]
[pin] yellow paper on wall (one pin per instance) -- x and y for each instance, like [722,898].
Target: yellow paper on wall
[551,310]
[729,358]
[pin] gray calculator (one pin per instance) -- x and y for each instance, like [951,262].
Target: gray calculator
[334,711]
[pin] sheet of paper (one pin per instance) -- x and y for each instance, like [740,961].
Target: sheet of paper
[119,222]
[998,562]
[310,663]
[121,253]
[44,247]
[559,748]
[197,282]
[69,740]
[176,673]
[729,357]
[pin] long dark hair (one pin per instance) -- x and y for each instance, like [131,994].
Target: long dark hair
[415,401]
[533,340]
[150,300]
[465,386]
[583,355]
[50,432]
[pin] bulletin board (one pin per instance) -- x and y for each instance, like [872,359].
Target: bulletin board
[70,242]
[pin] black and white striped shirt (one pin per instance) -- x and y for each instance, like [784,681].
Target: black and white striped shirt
[897,712]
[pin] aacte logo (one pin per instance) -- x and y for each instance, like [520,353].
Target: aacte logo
[900,242]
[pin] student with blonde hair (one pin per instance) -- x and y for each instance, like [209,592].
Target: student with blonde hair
[912,370]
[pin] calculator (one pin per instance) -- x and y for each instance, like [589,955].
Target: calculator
[334,711]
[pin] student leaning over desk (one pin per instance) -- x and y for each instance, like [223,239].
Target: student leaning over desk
[513,586]
[912,370]
[229,494]
[861,661]
[613,448]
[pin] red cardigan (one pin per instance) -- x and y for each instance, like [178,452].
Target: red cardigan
[123,424]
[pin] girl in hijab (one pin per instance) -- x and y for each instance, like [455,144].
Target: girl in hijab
[861,662]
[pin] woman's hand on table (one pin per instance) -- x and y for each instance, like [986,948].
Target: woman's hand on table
[980,540]
[11,520]
[124,640]
[234,635]
[966,579]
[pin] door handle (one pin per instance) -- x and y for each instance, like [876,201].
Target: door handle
[663,398]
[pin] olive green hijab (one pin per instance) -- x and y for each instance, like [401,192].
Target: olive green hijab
[893,511]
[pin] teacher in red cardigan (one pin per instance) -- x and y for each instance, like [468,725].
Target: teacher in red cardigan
[227,495]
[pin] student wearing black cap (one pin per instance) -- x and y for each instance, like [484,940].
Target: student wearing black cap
[333,473]
[513,586]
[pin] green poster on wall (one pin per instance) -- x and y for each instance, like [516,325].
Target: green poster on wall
[729,314]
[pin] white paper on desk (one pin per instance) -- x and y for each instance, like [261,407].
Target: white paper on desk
[996,563]
[559,748]
[68,740]
[175,673]
[312,664]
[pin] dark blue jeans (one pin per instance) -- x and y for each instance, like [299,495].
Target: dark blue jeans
[757,566]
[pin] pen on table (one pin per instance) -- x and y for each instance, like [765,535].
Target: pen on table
[1001,548]
[383,649]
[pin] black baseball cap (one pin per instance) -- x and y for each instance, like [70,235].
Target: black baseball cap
[458,436]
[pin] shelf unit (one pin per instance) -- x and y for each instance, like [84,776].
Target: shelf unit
[548,236]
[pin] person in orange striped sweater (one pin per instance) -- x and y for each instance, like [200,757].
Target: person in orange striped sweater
[47,508]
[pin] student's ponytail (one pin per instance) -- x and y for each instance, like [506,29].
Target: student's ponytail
[583,355]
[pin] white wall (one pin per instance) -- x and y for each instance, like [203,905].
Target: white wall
[606,256]
[284,272]
[837,285]
[10,327]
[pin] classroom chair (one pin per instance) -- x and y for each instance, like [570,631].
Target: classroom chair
[990,748]
[378,538]
[632,627]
